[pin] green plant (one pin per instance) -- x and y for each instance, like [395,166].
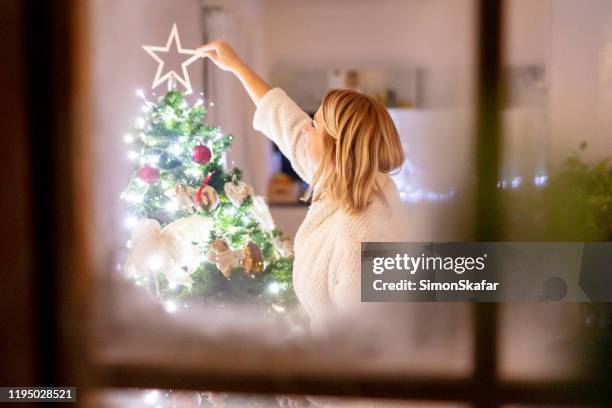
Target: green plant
[579,200]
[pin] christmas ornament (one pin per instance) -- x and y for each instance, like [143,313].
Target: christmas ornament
[237,191]
[261,212]
[253,259]
[201,154]
[173,250]
[219,245]
[151,251]
[224,257]
[148,174]
[207,197]
[171,75]
[182,197]
[284,246]
[195,228]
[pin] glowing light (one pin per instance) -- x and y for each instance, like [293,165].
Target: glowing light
[170,306]
[415,196]
[140,92]
[130,221]
[212,104]
[194,172]
[171,206]
[151,397]
[145,108]
[155,262]
[153,159]
[140,123]
[172,285]
[540,181]
[516,182]
[274,288]
[134,198]
[278,309]
[176,149]
[128,138]
[132,155]
[199,102]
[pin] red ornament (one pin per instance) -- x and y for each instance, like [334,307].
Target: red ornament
[148,174]
[201,154]
[198,195]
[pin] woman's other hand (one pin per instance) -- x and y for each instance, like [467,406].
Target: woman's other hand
[222,54]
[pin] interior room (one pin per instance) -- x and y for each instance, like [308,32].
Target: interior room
[168,242]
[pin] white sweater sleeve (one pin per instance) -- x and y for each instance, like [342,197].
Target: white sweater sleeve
[281,120]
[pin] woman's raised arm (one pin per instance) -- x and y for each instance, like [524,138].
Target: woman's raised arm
[224,56]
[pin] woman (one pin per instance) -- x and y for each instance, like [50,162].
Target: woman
[345,154]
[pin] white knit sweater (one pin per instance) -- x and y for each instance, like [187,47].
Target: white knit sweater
[327,266]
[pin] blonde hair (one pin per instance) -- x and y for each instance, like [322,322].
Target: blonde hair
[360,140]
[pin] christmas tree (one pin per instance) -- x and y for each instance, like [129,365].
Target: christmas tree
[198,231]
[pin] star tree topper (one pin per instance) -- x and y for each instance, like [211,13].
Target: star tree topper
[160,77]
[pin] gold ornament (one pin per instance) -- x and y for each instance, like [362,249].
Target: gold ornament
[253,259]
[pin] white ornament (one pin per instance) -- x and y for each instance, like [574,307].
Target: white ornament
[171,75]
[261,212]
[194,228]
[151,251]
[182,197]
[188,235]
[237,191]
[173,251]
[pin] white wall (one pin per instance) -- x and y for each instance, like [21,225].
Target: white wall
[580,96]
[434,34]
[570,38]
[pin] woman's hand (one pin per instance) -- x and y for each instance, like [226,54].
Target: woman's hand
[226,58]
[223,55]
